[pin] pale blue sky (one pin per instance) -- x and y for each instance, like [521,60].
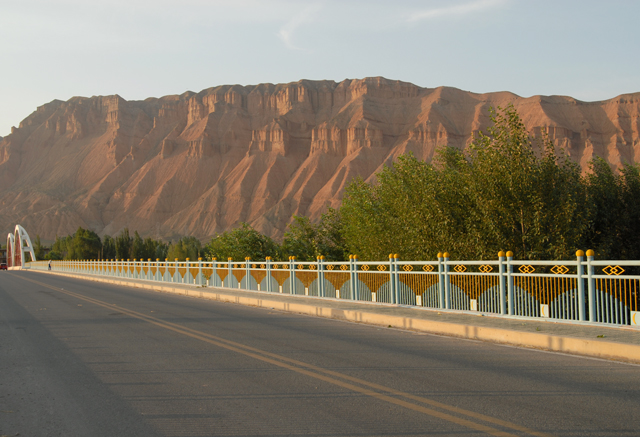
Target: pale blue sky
[56,49]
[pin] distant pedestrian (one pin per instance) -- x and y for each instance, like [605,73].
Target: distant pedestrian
[49,264]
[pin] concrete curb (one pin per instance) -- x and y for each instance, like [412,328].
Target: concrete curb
[571,345]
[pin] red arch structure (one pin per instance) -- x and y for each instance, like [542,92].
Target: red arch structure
[19,244]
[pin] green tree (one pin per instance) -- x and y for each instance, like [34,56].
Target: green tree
[331,243]
[123,244]
[193,247]
[507,191]
[526,197]
[630,176]
[613,229]
[240,243]
[108,247]
[162,251]
[301,240]
[58,249]
[177,251]
[38,250]
[186,247]
[137,250]
[85,244]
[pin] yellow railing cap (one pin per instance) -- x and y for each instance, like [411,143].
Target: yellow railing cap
[501,254]
[445,255]
[580,253]
[509,254]
[590,252]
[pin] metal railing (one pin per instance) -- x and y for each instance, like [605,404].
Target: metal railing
[582,289]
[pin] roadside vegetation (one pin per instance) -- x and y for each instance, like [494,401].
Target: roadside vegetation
[506,191]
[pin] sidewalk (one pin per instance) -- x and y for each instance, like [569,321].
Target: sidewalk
[615,342]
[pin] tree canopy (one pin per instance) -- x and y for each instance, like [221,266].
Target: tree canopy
[506,191]
[240,243]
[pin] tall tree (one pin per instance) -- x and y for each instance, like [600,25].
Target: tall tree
[85,244]
[137,250]
[301,240]
[108,247]
[38,250]
[507,191]
[123,244]
[240,243]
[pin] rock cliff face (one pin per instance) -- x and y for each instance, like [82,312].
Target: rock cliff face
[197,164]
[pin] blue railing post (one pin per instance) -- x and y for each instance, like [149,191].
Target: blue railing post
[247,282]
[510,299]
[447,284]
[352,291]
[268,277]
[166,271]
[214,273]
[580,280]
[392,281]
[355,276]
[321,291]
[176,271]
[292,275]
[501,284]
[200,277]
[355,288]
[591,284]
[230,272]
[396,278]
[440,281]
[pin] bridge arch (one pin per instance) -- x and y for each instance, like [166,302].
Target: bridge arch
[19,244]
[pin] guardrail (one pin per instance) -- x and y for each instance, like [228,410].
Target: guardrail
[584,289]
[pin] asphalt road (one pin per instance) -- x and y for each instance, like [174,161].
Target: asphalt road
[81,358]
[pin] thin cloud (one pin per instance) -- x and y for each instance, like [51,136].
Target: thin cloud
[463,9]
[286,32]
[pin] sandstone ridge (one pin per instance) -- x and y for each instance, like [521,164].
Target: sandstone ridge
[200,163]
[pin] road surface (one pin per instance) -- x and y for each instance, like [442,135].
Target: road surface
[80,358]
